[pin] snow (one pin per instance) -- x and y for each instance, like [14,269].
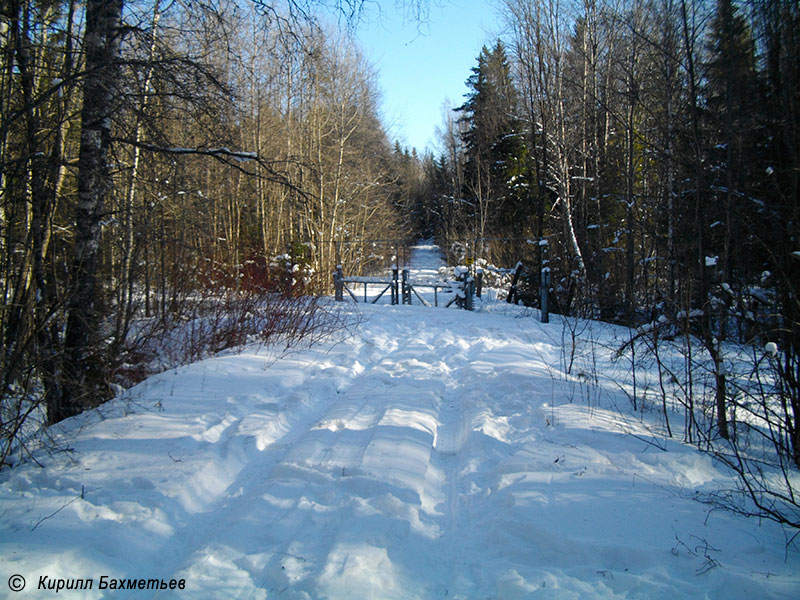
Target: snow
[430,453]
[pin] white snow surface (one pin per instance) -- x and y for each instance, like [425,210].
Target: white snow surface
[432,453]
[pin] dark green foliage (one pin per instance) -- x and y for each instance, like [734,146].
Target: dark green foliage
[497,160]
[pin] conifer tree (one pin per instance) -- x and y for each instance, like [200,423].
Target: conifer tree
[496,158]
[732,93]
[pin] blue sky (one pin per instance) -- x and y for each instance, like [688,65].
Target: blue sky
[421,64]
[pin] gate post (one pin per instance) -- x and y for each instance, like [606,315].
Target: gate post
[395,291]
[406,287]
[544,292]
[544,282]
[338,284]
[514,282]
[466,290]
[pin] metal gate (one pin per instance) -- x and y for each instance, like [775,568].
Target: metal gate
[464,288]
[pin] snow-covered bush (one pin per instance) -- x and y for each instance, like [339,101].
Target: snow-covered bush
[760,410]
[227,319]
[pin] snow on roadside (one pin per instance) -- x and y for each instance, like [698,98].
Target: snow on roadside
[433,454]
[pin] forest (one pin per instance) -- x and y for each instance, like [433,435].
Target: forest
[159,155]
[165,162]
[645,155]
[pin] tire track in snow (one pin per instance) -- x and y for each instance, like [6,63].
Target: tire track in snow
[389,445]
[335,432]
[374,413]
[389,473]
[443,360]
[185,552]
[246,450]
[454,448]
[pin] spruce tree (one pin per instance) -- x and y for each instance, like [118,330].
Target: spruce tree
[732,101]
[496,157]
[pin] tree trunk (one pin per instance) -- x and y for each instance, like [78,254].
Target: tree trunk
[705,287]
[80,383]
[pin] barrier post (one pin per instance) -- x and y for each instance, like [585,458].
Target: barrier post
[544,282]
[395,291]
[338,284]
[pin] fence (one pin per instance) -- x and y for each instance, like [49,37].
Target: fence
[468,281]
[465,287]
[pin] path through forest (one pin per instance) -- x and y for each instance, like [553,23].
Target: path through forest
[428,453]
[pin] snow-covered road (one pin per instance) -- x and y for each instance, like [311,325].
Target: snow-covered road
[431,453]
